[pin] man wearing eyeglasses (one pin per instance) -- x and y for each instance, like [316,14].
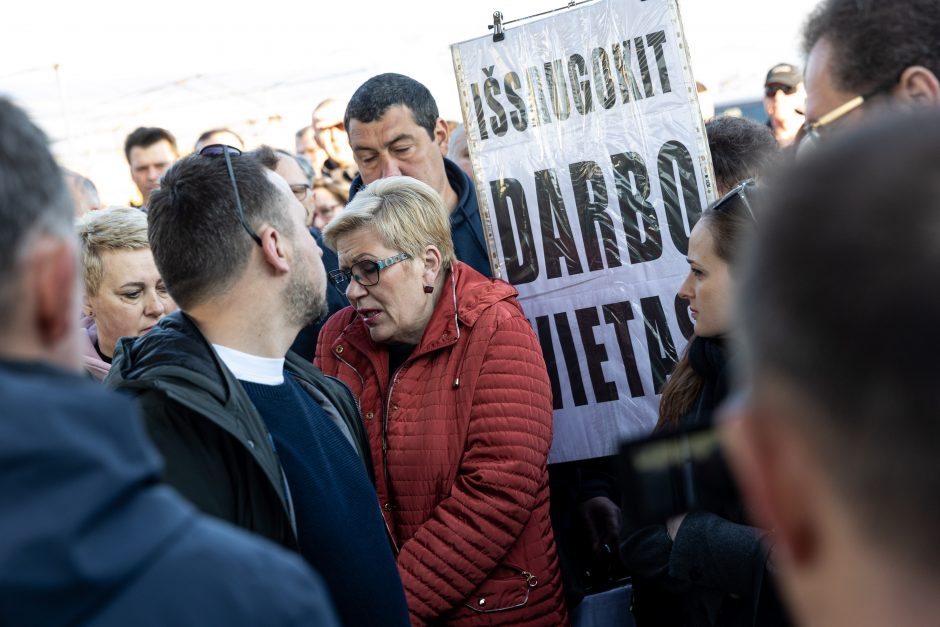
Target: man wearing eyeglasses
[868,54]
[784,97]
[250,432]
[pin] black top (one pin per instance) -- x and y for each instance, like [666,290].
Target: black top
[714,572]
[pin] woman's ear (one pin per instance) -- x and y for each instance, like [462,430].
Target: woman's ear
[433,262]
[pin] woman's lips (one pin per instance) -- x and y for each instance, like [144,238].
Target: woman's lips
[370,316]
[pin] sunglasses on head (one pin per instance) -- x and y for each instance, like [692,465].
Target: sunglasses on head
[221,149]
[741,194]
[771,90]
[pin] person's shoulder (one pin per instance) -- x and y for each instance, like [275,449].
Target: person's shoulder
[219,574]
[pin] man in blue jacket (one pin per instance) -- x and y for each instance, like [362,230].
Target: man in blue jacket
[395,130]
[89,535]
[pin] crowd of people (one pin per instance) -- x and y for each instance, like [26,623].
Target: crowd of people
[285,389]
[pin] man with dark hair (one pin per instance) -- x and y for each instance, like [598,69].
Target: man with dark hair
[150,151]
[784,99]
[836,448]
[741,149]
[90,536]
[250,432]
[864,54]
[394,129]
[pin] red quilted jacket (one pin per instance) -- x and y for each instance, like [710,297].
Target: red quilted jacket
[466,425]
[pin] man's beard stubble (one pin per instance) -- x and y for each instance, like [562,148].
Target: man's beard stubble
[305,303]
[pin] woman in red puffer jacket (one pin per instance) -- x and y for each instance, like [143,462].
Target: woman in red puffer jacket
[457,403]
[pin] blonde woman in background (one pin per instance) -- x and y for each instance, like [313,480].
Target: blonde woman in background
[124,294]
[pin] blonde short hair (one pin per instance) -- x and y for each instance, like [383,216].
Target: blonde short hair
[118,228]
[407,215]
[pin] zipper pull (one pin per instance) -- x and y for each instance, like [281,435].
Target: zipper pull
[530,579]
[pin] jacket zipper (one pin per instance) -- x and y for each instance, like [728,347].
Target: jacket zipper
[388,530]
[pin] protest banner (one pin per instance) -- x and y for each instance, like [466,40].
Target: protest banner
[592,167]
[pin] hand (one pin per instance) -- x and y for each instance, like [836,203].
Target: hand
[673,524]
[601,518]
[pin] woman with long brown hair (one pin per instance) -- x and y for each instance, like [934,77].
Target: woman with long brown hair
[704,568]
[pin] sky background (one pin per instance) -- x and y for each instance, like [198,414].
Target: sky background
[91,72]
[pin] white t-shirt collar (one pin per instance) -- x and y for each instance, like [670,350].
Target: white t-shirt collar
[251,368]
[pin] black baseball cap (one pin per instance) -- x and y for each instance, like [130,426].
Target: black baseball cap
[784,74]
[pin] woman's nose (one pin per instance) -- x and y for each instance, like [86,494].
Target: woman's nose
[685,290]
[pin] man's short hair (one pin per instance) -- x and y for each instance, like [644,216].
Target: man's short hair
[378,94]
[198,244]
[741,149]
[406,214]
[213,131]
[873,40]
[839,303]
[118,228]
[34,199]
[145,136]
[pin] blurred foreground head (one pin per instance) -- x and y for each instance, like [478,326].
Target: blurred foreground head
[839,306]
[39,303]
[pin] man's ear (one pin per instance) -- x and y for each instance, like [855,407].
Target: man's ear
[919,86]
[777,479]
[53,262]
[441,135]
[273,249]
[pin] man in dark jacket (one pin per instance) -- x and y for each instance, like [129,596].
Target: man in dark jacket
[89,535]
[394,130]
[252,433]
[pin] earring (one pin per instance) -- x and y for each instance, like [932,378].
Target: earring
[428,289]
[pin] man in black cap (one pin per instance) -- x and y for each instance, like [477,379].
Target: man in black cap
[784,98]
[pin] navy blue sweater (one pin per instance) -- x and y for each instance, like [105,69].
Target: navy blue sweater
[339,526]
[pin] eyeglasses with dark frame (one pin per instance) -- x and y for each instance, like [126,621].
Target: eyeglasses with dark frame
[366,272]
[224,150]
[744,192]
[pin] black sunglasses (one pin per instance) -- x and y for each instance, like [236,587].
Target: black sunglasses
[743,193]
[771,90]
[222,149]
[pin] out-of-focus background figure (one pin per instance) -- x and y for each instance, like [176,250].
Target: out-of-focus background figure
[330,133]
[83,191]
[784,99]
[458,151]
[150,152]
[219,136]
[330,197]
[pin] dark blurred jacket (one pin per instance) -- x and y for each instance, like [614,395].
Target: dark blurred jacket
[715,571]
[89,536]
